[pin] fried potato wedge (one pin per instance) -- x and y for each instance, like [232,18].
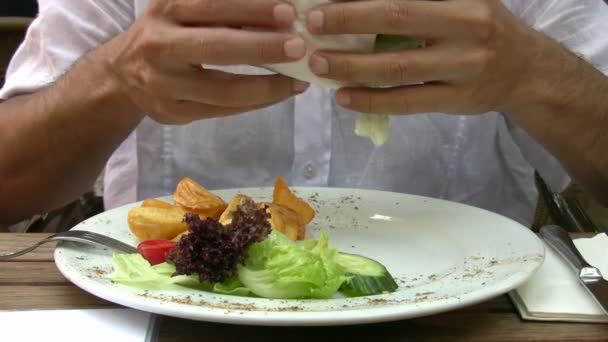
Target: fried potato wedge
[235,202]
[283,196]
[155,203]
[282,219]
[149,223]
[287,221]
[194,198]
[156,219]
[179,236]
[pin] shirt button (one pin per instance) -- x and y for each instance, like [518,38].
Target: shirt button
[309,171]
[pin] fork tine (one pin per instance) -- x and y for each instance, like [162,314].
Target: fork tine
[110,242]
[100,239]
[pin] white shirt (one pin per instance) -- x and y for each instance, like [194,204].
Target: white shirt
[479,160]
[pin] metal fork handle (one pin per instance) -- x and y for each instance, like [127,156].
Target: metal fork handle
[103,240]
[92,239]
[98,242]
[24,251]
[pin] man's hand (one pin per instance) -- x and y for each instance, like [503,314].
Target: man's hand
[54,142]
[479,58]
[157,63]
[477,53]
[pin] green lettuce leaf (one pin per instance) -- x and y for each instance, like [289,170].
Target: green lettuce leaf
[376,126]
[232,286]
[276,267]
[386,42]
[280,268]
[133,270]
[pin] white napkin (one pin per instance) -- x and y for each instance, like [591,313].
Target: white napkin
[105,325]
[554,293]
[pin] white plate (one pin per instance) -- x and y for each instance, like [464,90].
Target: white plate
[444,256]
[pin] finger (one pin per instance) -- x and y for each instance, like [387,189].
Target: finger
[219,88]
[427,98]
[428,19]
[439,63]
[271,13]
[225,46]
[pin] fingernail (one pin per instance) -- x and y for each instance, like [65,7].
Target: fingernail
[284,14]
[300,86]
[315,21]
[343,98]
[319,65]
[295,48]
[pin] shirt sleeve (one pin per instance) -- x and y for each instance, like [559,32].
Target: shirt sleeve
[62,32]
[579,26]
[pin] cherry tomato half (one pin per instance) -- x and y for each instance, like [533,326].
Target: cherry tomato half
[155,251]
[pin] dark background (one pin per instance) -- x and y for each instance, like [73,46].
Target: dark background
[18,8]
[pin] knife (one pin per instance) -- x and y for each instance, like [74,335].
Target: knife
[591,277]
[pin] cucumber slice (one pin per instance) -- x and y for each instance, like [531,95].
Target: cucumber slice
[368,277]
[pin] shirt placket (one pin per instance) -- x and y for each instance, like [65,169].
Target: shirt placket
[312,137]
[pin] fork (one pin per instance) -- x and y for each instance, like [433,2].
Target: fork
[77,236]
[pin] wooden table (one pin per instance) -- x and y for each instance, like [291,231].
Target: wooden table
[32,282]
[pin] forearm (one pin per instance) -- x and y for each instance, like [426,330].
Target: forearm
[54,143]
[564,106]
